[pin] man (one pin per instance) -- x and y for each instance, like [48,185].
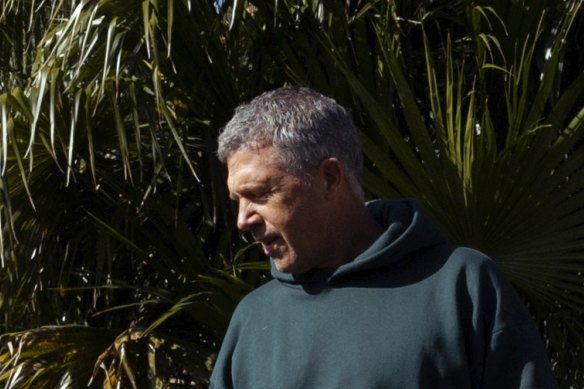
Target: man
[364,295]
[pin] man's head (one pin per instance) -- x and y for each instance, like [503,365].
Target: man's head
[304,127]
[293,159]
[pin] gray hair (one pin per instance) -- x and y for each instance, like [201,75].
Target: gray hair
[305,126]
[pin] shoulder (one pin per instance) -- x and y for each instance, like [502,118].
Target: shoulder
[480,272]
[474,264]
[258,297]
[469,257]
[458,262]
[488,287]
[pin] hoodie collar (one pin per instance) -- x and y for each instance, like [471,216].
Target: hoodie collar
[406,231]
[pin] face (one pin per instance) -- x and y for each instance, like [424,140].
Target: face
[282,213]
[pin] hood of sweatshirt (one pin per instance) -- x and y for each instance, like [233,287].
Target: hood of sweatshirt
[406,232]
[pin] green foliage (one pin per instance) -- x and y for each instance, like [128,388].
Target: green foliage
[113,208]
[52,357]
[119,260]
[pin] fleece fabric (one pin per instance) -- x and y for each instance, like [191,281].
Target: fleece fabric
[412,311]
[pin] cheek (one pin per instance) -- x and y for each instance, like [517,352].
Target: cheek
[297,217]
[305,227]
[275,219]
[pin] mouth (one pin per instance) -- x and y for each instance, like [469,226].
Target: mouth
[270,244]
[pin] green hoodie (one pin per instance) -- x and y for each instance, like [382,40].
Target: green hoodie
[411,311]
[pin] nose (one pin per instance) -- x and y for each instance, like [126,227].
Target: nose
[247,216]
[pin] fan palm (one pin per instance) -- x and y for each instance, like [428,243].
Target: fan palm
[490,143]
[118,251]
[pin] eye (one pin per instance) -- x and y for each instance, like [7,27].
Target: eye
[255,195]
[262,195]
[259,197]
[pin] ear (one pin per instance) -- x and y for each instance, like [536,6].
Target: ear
[332,173]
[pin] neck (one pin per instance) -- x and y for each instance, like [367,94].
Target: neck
[352,234]
[364,233]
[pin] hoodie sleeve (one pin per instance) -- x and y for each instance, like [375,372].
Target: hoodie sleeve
[223,369]
[513,354]
[516,359]
[221,377]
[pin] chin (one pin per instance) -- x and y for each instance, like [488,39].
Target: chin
[290,268]
[285,266]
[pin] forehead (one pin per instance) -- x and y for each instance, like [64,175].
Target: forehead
[248,161]
[253,167]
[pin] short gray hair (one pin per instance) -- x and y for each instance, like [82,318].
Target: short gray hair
[305,126]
